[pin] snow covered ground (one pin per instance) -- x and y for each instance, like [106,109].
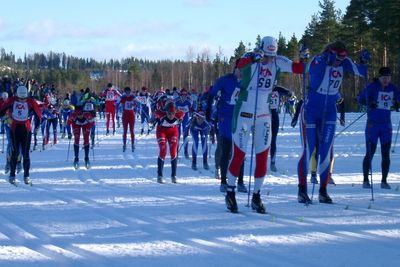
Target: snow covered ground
[117,215]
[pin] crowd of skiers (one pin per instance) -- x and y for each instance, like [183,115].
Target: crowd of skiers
[240,109]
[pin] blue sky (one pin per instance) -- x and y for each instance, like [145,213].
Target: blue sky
[147,29]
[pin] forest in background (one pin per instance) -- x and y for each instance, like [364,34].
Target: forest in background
[369,24]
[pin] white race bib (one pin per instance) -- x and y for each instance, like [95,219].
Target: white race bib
[88,106]
[129,105]
[141,100]
[184,109]
[385,100]
[110,96]
[20,111]
[274,104]
[235,96]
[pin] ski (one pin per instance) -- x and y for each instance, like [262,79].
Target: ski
[15,183]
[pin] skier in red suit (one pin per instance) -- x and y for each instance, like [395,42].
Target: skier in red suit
[168,120]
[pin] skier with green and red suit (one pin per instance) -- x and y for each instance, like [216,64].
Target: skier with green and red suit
[258,71]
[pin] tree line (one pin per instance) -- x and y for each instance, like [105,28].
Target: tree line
[370,24]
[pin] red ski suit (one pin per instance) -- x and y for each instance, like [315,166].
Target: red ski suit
[128,116]
[167,131]
[78,123]
[110,95]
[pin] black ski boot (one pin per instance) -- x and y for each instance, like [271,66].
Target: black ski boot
[27,180]
[313,178]
[256,203]
[123,147]
[142,131]
[323,196]
[133,147]
[230,199]
[302,195]
[194,164]
[76,163]
[160,167]
[87,163]
[12,180]
[205,164]
[174,164]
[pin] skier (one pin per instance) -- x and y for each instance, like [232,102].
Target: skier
[144,106]
[167,131]
[110,94]
[199,127]
[258,72]
[314,160]
[325,77]
[228,86]
[128,117]
[276,94]
[21,106]
[381,96]
[81,121]
[184,104]
[6,123]
[194,97]
[66,110]
[51,118]
[89,103]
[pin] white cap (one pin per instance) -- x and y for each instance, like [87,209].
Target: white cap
[269,46]
[22,91]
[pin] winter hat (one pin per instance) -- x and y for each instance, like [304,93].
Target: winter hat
[170,107]
[184,91]
[22,92]
[385,71]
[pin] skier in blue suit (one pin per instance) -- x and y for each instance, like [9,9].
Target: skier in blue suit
[381,97]
[184,104]
[326,72]
[228,86]
[199,130]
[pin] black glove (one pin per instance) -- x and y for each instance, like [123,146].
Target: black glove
[373,104]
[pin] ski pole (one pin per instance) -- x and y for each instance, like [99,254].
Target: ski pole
[253,130]
[344,129]
[395,140]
